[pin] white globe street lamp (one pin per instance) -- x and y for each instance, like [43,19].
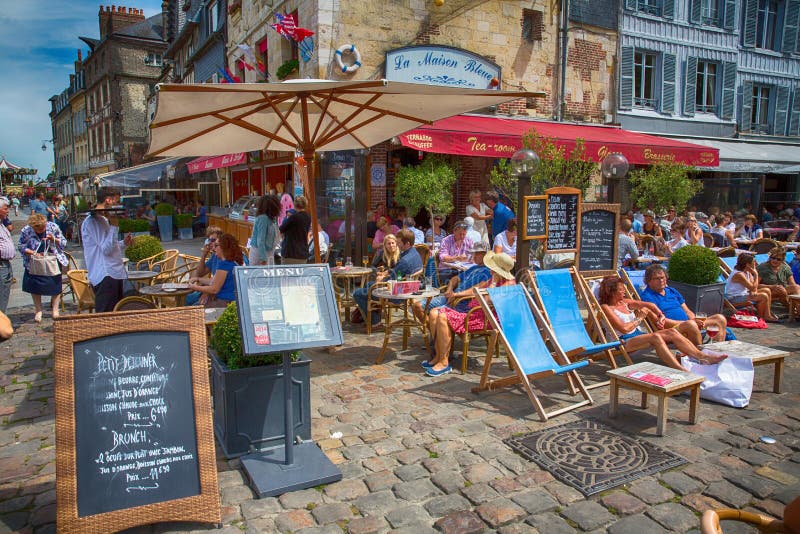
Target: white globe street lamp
[614,166]
[523,164]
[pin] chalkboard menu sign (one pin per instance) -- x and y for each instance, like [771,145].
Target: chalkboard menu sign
[286,307]
[133,421]
[598,237]
[563,224]
[534,215]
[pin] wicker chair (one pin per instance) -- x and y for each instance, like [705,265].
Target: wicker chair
[726,252]
[708,240]
[710,521]
[134,303]
[424,252]
[763,245]
[81,289]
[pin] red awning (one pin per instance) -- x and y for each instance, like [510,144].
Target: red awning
[496,137]
[215,162]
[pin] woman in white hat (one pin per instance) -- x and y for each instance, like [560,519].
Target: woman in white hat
[446,321]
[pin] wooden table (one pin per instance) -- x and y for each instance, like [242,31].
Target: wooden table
[759,354]
[351,278]
[680,381]
[408,320]
[158,293]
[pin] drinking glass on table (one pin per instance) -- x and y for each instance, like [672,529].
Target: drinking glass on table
[348,262]
[364,261]
[338,262]
[712,329]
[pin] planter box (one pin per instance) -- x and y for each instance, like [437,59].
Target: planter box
[248,405]
[165,227]
[185,233]
[701,298]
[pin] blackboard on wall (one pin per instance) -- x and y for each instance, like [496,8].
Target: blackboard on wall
[286,307]
[563,221]
[598,252]
[133,421]
[535,217]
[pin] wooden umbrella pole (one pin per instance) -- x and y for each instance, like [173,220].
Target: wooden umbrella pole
[308,154]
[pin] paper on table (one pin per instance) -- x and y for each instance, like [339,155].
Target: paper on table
[171,286]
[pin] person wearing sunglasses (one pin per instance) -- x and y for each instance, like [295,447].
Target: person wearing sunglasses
[776,276]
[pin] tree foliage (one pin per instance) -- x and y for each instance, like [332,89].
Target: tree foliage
[428,185]
[663,185]
[556,168]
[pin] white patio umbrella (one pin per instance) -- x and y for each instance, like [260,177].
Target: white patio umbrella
[306,115]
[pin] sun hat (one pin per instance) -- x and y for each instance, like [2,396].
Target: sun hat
[480,246]
[500,263]
[700,215]
[460,224]
[469,221]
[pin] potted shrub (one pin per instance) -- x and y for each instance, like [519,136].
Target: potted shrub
[136,227]
[247,392]
[164,213]
[184,223]
[143,247]
[694,273]
[285,70]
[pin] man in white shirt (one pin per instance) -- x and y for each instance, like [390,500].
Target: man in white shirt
[7,252]
[103,252]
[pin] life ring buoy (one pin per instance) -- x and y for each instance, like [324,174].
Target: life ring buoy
[348,49]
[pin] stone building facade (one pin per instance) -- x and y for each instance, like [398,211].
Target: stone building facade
[120,69]
[521,37]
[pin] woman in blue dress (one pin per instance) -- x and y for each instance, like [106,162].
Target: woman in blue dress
[38,237]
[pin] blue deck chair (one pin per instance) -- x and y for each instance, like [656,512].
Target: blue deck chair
[517,324]
[554,291]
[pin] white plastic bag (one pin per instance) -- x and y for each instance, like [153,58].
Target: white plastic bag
[729,382]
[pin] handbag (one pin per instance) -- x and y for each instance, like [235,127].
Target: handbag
[44,265]
[746,319]
[729,382]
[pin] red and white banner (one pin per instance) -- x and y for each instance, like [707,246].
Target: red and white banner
[216,162]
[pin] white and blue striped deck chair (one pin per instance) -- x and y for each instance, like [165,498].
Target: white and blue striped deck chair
[517,324]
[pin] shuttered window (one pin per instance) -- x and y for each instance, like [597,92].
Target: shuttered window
[767,24]
[644,80]
[690,89]
[750,22]
[668,71]
[781,110]
[790,27]
[626,78]
[759,109]
[794,117]
[658,8]
[728,89]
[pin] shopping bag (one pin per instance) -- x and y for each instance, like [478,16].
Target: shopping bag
[729,382]
[746,319]
[45,264]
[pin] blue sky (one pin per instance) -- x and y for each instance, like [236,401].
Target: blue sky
[38,45]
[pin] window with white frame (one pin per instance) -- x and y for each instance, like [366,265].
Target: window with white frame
[759,109]
[213,16]
[767,24]
[154,59]
[644,80]
[706,88]
[709,12]
[652,7]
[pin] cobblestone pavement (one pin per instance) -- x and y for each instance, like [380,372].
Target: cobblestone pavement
[423,454]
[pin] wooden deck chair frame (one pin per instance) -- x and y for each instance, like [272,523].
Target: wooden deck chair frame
[725,269]
[605,331]
[560,363]
[594,353]
[467,336]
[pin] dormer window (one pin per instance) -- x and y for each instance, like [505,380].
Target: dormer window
[153,59]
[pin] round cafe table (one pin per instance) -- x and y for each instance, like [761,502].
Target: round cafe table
[408,320]
[159,294]
[345,281]
[140,278]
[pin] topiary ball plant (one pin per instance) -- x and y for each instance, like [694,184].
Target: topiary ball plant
[143,246]
[183,220]
[694,265]
[164,208]
[226,340]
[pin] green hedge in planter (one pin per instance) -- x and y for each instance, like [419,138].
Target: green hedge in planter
[694,265]
[164,208]
[183,220]
[226,339]
[143,246]
[133,225]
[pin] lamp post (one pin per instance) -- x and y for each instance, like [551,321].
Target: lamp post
[524,163]
[613,166]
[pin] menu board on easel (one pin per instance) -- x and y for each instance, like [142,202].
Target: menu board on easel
[598,252]
[134,436]
[563,223]
[286,307]
[534,215]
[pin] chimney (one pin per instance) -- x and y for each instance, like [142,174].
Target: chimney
[80,55]
[164,20]
[115,18]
